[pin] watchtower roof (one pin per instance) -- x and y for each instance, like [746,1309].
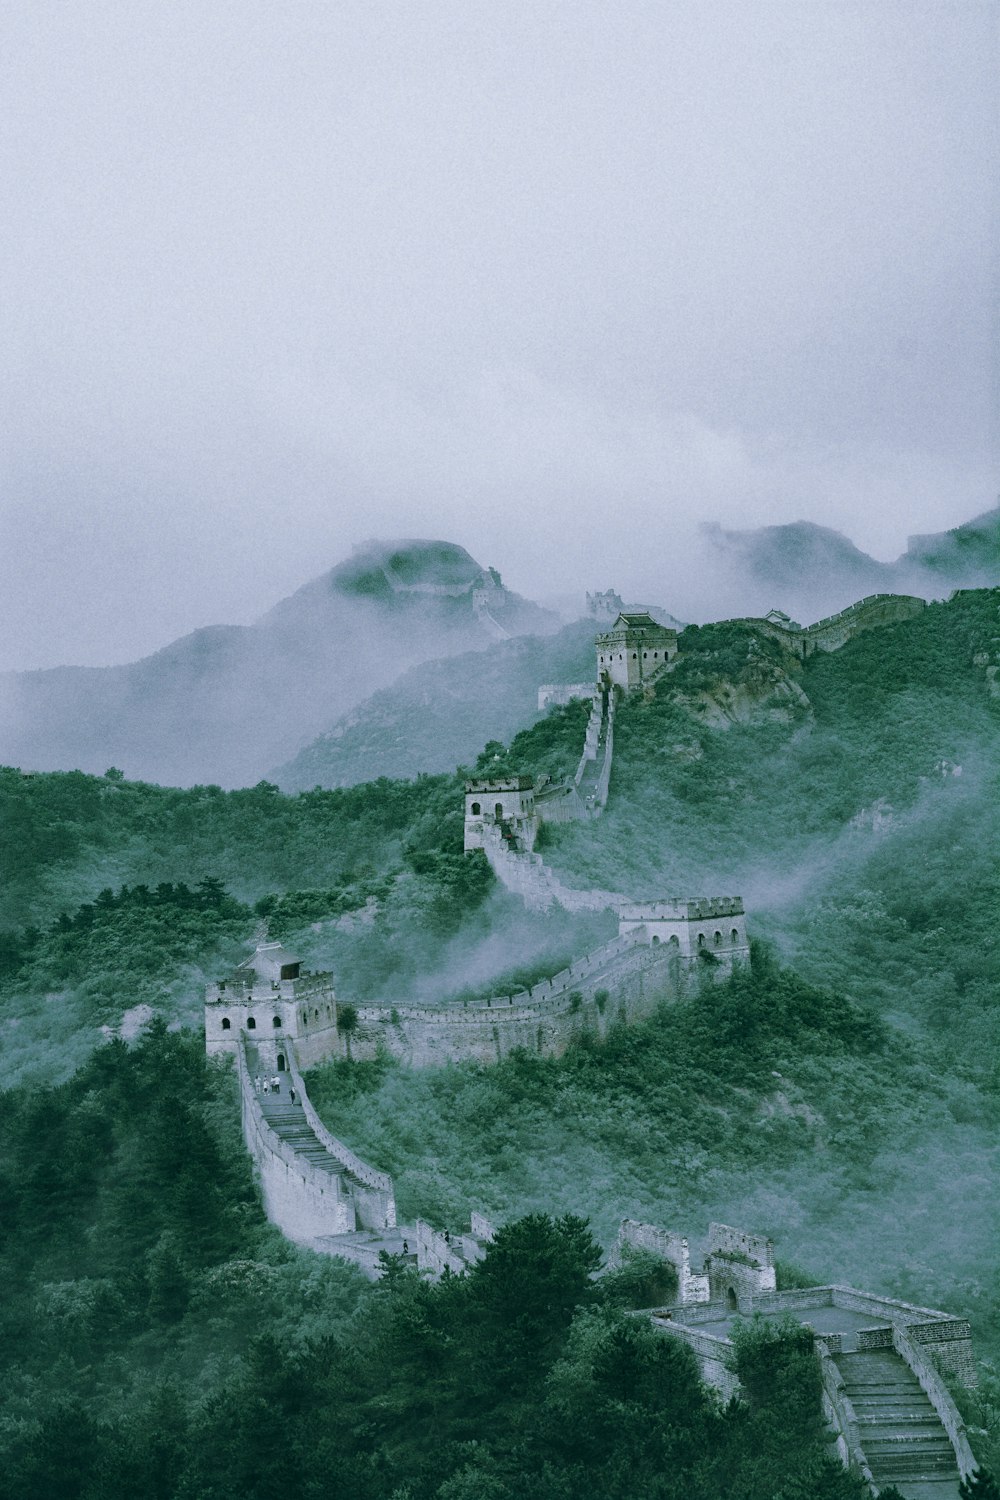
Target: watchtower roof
[638,620]
[270,960]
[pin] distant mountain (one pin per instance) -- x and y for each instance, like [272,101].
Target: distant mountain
[811,570]
[968,556]
[223,704]
[440,714]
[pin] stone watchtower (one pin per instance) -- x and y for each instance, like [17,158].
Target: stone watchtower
[633,649]
[268,1000]
[504,802]
[709,926]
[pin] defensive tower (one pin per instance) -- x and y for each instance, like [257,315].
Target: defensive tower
[633,650]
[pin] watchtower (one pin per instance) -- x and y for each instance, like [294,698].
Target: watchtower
[633,649]
[713,926]
[504,802]
[269,1000]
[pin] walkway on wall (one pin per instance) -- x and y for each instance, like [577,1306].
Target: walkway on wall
[902,1436]
[289,1123]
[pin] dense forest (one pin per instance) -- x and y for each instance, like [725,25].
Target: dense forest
[160,1338]
[842,1096]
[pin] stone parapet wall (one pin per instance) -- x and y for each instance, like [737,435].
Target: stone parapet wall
[526,876]
[938,1394]
[303,1201]
[434,1252]
[838,1409]
[371,1190]
[670,1247]
[834,631]
[543,1021]
[713,1355]
[723,1239]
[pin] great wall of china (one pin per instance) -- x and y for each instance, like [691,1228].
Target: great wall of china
[881,1361]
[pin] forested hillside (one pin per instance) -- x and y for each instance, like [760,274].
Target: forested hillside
[439,714]
[847,1106]
[158,1338]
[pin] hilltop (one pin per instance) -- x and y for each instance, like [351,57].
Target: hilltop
[225,703]
[812,570]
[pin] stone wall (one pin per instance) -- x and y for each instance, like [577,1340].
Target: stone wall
[435,1253]
[834,631]
[527,876]
[670,1247]
[938,1394]
[838,1408]
[544,1019]
[304,1202]
[713,1354]
[371,1191]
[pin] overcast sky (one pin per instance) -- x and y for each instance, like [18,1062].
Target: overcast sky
[552,280]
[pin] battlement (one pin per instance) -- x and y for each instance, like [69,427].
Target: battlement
[687,908]
[499,784]
[699,926]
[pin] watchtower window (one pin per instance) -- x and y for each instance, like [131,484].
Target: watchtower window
[498,810]
[718,939]
[735,935]
[675,941]
[276,1021]
[655,938]
[476,809]
[225,1023]
[251,1024]
[701,940]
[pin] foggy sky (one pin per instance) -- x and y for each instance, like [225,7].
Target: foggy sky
[551,280]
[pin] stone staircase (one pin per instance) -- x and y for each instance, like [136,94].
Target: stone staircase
[901,1434]
[288,1121]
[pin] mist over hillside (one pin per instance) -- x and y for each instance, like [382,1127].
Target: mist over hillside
[847,1107]
[227,704]
[439,714]
[224,704]
[810,571]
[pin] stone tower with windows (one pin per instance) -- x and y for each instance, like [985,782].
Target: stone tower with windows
[633,650]
[274,1005]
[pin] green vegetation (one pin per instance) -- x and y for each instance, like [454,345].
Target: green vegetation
[764,1101]
[158,1338]
[440,713]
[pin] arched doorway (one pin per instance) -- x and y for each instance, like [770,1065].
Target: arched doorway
[732,1301]
[281,1062]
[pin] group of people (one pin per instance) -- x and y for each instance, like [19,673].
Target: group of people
[271,1086]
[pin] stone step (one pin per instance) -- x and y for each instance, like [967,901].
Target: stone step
[903,1428]
[905,1401]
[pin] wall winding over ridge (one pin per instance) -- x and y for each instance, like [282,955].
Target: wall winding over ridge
[544,1019]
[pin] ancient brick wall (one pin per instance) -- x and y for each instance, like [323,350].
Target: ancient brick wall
[302,1201]
[545,1019]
